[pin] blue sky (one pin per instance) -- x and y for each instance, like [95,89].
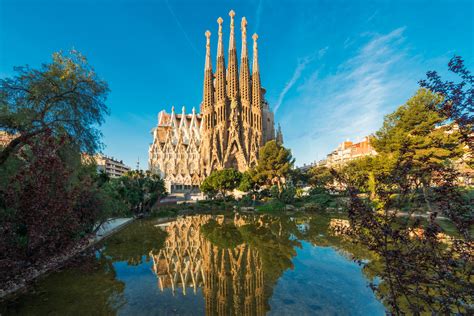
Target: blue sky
[332,69]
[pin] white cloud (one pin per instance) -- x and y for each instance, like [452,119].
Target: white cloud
[302,63]
[182,29]
[351,102]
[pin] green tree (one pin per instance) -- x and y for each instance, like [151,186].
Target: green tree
[246,182]
[320,176]
[417,143]
[62,97]
[221,181]
[136,190]
[274,164]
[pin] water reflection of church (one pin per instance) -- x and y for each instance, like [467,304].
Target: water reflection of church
[231,278]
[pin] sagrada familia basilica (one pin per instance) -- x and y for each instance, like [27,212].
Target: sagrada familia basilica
[234,123]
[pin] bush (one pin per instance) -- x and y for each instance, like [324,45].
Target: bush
[246,201]
[272,205]
[48,204]
[287,195]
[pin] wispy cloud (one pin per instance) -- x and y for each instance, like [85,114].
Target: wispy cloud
[300,67]
[182,28]
[352,101]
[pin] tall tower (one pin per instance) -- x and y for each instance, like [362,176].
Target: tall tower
[232,72]
[245,89]
[238,104]
[257,139]
[221,107]
[235,156]
[207,108]
[234,123]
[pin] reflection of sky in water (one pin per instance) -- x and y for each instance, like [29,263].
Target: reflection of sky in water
[323,282]
[144,297]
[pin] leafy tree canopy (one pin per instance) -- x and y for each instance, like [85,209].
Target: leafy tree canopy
[64,97]
[414,137]
[457,103]
[274,164]
[221,181]
[320,176]
[246,183]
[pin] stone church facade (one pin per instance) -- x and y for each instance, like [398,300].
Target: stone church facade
[235,120]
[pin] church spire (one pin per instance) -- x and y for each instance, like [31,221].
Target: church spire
[220,71]
[220,47]
[232,71]
[208,94]
[208,63]
[256,95]
[256,87]
[231,37]
[244,80]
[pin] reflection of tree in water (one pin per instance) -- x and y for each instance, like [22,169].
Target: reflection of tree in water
[88,284]
[417,271]
[134,242]
[323,231]
[236,261]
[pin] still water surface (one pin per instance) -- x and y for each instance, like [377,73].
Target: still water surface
[210,265]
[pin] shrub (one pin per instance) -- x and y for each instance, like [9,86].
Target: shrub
[272,205]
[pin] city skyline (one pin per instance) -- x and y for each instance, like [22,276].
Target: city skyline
[331,70]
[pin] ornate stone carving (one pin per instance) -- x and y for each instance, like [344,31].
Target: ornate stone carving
[234,123]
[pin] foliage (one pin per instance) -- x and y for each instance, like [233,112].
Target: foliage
[274,240]
[49,197]
[320,176]
[135,242]
[47,204]
[457,102]
[288,194]
[274,164]
[136,191]
[274,192]
[413,138]
[221,181]
[418,273]
[223,235]
[271,206]
[62,97]
[299,177]
[321,197]
[246,182]
[285,195]
[247,200]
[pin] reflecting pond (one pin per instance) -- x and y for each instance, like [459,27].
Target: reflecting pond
[211,265]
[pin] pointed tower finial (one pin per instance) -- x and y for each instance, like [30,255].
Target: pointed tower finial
[208,63]
[220,47]
[243,26]
[255,53]
[256,86]
[220,74]
[231,38]
[208,88]
[244,80]
[232,68]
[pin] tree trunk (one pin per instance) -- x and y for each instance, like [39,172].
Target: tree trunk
[16,144]
[425,189]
